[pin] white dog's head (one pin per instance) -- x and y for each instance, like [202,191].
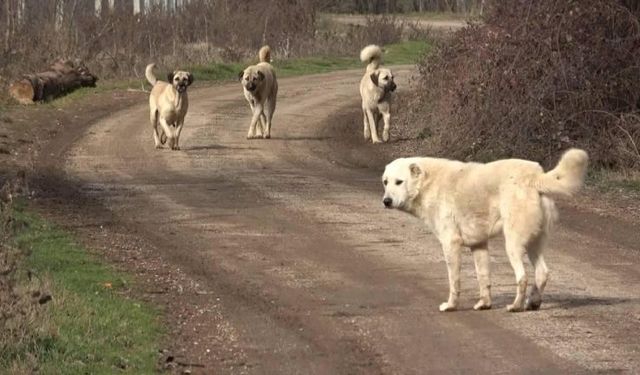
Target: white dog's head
[402,180]
[383,78]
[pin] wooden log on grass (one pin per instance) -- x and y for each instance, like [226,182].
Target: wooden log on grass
[63,77]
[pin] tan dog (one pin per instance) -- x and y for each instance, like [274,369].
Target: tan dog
[260,88]
[465,204]
[168,105]
[376,87]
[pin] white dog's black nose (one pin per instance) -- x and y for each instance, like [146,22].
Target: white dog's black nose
[387,202]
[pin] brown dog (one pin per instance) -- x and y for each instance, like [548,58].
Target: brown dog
[168,104]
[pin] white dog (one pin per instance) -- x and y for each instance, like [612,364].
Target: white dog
[376,87]
[465,204]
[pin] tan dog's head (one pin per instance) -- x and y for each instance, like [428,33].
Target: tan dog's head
[402,179]
[383,78]
[180,80]
[251,78]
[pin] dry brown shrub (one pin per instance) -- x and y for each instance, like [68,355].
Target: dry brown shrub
[534,79]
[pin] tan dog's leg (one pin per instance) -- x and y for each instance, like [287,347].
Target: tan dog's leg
[534,250]
[365,121]
[168,132]
[257,111]
[268,116]
[154,124]
[372,126]
[176,145]
[481,259]
[262,126]
[386,117]
[452,249]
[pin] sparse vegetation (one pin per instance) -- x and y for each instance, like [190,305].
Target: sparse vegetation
[532,80]
[64,311]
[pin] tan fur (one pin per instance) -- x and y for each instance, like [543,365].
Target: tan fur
[465,204]
[168,105]
[260,88]
[376,87]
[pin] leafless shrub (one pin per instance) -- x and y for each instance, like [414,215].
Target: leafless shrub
[534,79]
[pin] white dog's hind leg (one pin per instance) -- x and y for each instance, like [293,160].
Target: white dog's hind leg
[262,128]
[481,259]
[515,252]
[268,116]
[452,254]
[534,251]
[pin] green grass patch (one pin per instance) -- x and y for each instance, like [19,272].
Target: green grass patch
[396,54]
[90,326]
[615,182]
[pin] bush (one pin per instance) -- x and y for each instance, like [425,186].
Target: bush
[534,79]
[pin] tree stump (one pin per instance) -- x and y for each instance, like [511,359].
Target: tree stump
[63,77]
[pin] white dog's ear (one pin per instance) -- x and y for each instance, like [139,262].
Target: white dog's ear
[374,78]
[261,75]
[415,170]
[170,76]
[240,75]
[190,78]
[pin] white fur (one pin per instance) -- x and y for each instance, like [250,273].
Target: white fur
[376,88]
[465,204]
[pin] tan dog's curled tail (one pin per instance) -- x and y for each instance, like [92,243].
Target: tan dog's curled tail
[148,72]
[372,55]
[568,176]
[265,54]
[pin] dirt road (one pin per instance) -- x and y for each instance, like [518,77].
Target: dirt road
[288,263]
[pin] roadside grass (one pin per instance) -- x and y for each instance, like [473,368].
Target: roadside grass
[615,182]
[396,54]
[90,326]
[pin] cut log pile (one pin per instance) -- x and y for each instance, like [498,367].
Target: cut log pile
[63,77]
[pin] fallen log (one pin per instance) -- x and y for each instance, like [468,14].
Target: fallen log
[63,77]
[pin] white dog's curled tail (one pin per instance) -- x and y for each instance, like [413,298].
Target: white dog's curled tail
[148,72]
[568,176]
[372,55]
[265,54]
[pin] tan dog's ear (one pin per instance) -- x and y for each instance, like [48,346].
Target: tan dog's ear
[190,77]
[415,169]
[170,76]
[374,78]
[240,76]
[261,75]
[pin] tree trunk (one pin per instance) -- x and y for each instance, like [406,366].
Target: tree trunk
[63,77]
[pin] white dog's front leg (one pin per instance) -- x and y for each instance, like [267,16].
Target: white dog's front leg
[257,111]
[452,251]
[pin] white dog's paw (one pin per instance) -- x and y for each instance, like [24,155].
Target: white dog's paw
[250,136]
[446,307]
[514,308]
[267,136]
[482,305]
[376,141]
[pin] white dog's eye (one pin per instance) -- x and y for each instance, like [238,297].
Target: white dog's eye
[384,182]
[399,182]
